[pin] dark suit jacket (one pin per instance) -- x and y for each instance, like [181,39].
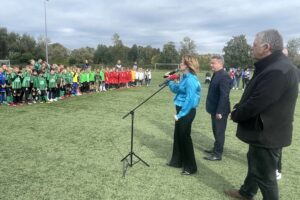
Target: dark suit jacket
[265,112]
[217,101]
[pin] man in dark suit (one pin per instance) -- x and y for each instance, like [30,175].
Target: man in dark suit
[265,115]
[218,106]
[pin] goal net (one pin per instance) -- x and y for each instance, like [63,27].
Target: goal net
[5,62]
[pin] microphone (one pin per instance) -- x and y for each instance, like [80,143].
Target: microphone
[169,78]
[170,73]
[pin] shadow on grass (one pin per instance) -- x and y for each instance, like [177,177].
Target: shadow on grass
[162,149]
[203,142]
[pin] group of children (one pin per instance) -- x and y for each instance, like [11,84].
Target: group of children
[38,82]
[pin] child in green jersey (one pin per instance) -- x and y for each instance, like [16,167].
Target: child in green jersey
[52,84]
[42,87]
[26,84]
[35,86]
[68,82]
[16,83]
[83,81]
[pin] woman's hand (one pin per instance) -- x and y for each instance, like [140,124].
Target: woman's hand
[175,117]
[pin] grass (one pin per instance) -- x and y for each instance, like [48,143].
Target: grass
[72,149]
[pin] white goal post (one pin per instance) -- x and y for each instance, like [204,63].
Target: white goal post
[6,62]
[165,64]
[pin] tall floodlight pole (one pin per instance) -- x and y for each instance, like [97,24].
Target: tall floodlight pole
[46,36]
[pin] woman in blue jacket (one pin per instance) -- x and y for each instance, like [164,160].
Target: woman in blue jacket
[186,100]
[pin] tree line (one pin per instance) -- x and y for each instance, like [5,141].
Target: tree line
[20,48]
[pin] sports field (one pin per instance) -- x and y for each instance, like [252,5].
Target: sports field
[72,149]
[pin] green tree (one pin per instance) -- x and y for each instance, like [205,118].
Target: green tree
[133,53]
[237,52]
[293,47]
[102,55]
[78,56]
[188,47]
[204,62]
[117,40]
[3,43]
[58,54]
[169,53]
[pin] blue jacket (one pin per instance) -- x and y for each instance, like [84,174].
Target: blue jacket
[2,78]
[188,93]
[217,101]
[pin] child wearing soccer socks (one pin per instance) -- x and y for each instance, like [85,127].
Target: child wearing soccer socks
[97,80]
[42,87]
[59,82]
[9,98]
[35,82]
[68,82]
[2,86]
[16,82]
[52,83]
[26,84]
[102,80]
[83,81]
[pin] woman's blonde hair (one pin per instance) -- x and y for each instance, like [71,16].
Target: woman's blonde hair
[191,62]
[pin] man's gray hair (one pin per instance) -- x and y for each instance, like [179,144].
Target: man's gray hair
[271,37]
[218,57]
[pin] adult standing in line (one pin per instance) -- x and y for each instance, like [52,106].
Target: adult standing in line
[218,106]
[265,115]
[186,100]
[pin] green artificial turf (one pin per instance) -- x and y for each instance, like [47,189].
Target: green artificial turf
[72,149]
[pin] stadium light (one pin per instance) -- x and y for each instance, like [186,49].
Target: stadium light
[46,37]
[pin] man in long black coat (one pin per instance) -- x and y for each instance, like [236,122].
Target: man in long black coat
[265,115]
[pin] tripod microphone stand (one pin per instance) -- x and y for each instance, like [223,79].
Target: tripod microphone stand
[131,154]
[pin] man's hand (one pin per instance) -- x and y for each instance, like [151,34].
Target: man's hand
[218,116]
[175,117]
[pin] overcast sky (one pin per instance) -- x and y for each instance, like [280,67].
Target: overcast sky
[211,23]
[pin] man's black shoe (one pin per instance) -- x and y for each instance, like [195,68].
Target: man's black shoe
[213,157]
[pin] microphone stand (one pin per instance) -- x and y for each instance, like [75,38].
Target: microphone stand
[131,154]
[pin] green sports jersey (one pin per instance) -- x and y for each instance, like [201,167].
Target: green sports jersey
[26,80]
[68,78]
[42,83]
[87,77]
[92,76]
[52,80]
[101,76]
[83,77]
[8,80]
[35,80]
[59,78]
[16,81]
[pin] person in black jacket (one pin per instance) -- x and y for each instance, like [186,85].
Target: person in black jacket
[265,115]
[218,106]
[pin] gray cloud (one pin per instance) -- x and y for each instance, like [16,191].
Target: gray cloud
[211,24]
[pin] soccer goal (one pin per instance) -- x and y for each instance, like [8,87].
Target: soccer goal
[167,66]
[5,62]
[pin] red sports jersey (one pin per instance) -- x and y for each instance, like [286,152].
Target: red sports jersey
[107,77]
